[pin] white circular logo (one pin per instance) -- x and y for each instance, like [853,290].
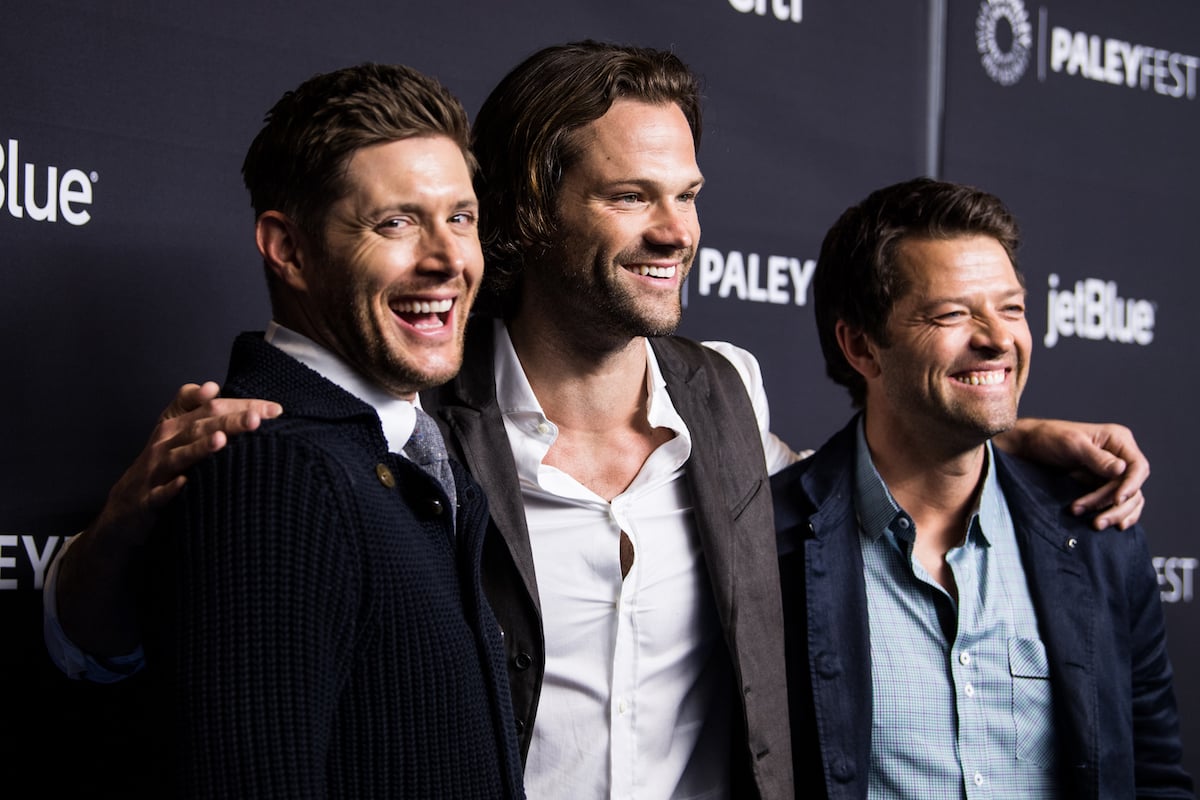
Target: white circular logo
[1005,67]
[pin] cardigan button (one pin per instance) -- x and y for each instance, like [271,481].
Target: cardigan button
[385,476]
[520,727]
[523,660]
[436,507]
[1071,543]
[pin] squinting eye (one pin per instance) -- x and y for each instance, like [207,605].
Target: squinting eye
[463,218]
[628,198]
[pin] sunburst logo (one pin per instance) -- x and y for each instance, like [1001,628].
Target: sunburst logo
[1004,39]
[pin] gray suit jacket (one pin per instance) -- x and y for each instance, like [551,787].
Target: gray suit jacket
[730,488]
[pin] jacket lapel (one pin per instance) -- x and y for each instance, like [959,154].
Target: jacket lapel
[1064,600]
[476,437]
[689,390]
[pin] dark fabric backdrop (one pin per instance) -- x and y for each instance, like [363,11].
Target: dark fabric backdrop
[127,261]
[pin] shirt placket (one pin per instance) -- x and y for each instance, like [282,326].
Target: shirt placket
[624,699]
[964,668]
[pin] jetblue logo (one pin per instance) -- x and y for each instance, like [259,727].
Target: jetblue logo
[1093,309]
[28,191]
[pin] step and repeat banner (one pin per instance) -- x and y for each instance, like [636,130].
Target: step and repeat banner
[1083,115]
[127,260]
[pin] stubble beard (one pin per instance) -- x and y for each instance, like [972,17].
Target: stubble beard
[380,358]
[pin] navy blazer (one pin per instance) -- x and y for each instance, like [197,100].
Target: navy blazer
[1097,602]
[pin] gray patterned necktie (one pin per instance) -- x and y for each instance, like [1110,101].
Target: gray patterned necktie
[427,450]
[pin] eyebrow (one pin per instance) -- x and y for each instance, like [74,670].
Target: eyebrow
[384,209]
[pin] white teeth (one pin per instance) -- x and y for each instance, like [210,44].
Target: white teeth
[982,379]
[423,307]
[653,272]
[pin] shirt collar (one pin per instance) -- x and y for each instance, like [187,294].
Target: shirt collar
[515,396]
[397,416]
[879,513]
[877,509]
[522,411]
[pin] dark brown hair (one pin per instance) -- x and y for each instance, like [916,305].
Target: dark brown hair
[525,140]
[857,279]
[297,162]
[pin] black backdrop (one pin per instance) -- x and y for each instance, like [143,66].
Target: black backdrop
[127,261]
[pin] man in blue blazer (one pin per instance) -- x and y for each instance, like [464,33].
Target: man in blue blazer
[952,629]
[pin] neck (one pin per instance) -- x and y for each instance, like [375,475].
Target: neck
[937,487]
[580,385]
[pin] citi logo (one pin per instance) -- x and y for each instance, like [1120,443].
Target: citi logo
[1093,310]
[783,10]
[41,195]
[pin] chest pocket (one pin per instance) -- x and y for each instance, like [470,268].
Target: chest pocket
[1032,709]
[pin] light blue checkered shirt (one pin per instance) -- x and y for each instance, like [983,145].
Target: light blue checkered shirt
[962,703]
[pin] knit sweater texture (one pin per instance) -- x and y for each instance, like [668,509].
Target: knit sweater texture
[316,625]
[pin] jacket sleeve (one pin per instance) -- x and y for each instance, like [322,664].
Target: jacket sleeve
[1158,771]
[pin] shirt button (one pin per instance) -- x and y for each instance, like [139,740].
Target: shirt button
[978,779]
[970,690]
[964,658]
[543,428]
[903,523]
[622,707]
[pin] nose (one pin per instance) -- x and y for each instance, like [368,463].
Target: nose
[992,332]
[673,226]
[443,250]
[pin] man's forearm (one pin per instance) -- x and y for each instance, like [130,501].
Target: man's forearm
[96,596]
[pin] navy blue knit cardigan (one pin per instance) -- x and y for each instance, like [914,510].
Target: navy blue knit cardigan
[318,627]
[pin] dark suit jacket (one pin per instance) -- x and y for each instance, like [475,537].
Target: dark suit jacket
[1097,604]
[729,485]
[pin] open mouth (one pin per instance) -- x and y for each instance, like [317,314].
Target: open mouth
[424,315]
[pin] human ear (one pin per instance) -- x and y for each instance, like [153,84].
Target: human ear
[858,349]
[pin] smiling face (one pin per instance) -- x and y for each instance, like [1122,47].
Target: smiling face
[627,226]
[959,344]
[398,265]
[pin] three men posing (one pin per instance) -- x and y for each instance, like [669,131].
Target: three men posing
[631,559]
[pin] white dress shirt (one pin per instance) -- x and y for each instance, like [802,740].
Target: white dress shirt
[636,698]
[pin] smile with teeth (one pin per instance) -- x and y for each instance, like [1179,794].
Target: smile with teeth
[648,270]
[423,306]
[424,315]
[989,378]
